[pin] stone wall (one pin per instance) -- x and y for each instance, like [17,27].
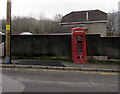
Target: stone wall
[60,45]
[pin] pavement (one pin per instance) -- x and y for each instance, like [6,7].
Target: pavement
[59,65]
[9,85]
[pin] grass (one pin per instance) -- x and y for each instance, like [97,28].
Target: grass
[44,58]
[103,62]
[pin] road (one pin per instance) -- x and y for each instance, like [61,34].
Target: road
[63,81]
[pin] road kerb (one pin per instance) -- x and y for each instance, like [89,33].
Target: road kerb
[108,70]
[55,68]
[88,69]
[22,66]
[58,68]
[39,67]
[72,68]
[8,66]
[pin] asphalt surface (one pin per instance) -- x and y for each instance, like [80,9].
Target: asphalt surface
[62,81]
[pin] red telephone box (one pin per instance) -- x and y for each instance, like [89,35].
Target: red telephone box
[79,45]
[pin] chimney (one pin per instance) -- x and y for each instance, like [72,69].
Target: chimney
[87,16]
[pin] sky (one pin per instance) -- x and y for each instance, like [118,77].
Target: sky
[49,8]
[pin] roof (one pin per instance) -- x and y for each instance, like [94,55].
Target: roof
[84,16]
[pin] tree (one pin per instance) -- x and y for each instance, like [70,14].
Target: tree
[119,23]
[36,26]
[42,16]
[58,17]
[23,24]
[112,24]
[4,26]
